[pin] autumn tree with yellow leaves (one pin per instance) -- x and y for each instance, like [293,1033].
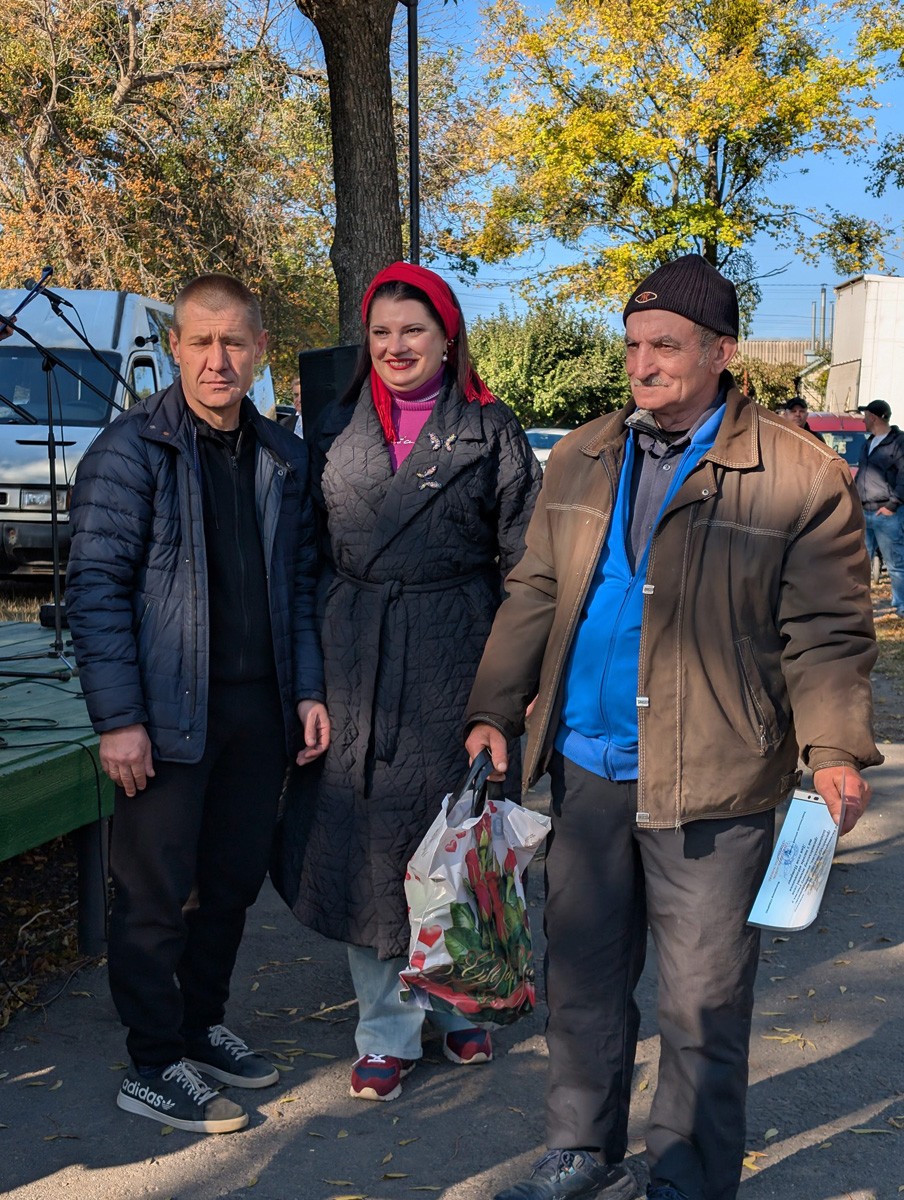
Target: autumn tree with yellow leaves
[636,130]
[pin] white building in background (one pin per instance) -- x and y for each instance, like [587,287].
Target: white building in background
[868,345]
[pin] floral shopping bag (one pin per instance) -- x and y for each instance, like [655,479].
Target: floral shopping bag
[470,948]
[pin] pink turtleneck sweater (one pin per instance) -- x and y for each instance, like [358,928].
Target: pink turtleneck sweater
[410,411]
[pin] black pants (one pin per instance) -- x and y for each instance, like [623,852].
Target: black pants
[606,879]
[188,857]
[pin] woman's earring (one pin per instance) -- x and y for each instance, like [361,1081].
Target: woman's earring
[445,356]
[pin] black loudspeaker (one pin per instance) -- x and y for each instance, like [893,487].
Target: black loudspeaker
[324,375]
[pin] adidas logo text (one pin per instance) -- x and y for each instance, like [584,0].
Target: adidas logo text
[141,1091]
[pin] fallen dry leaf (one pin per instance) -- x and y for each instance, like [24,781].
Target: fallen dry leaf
[311,1133]
[56,1087]
[394,1175]
[887,1131]
[408,1141]
[770,1133]
[643,1085]
[881,999]
[896,1122]
[165,1129]
[386,1158]
[342,1133]
[340,1182]
[87,995]
[780,939]
[255,986]
[777,978]
[842,988]
[252,1182]
[824,1146]
[841,962]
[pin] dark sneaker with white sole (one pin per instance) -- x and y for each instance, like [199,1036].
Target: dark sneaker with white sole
[572,1175]
[226,1057]
[179,1097]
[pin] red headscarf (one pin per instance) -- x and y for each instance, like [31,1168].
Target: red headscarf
[439,294]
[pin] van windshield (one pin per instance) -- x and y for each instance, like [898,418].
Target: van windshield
[847,443]
[24,382]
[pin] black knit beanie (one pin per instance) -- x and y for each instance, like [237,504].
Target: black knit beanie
[692,288]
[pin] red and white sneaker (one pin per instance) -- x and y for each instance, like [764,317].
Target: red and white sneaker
[379,1076]
[468,1046]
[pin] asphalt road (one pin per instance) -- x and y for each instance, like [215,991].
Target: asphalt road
[826,1106]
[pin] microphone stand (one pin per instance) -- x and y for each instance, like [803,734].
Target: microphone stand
[56,303]
[49,361]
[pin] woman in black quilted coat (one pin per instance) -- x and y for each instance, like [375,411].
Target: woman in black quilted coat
[425,484]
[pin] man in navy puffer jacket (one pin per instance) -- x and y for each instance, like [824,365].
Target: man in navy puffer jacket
[190,596]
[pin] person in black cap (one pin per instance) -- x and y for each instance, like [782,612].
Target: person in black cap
[795,410]
[880,486]
[692,613]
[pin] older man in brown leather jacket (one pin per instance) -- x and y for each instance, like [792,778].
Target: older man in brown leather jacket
[692,614]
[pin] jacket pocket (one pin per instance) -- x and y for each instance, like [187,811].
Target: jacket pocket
[768,723]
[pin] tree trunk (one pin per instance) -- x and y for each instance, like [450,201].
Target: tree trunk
[356,35]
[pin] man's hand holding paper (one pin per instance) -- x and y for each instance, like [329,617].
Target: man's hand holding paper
[846,793]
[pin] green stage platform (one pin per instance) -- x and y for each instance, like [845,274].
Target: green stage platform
[50,779]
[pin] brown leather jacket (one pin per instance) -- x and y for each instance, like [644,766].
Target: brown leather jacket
[757,636]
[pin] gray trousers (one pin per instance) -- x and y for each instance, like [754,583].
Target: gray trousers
[606,879]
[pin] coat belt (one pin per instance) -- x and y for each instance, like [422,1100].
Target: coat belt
[373,641]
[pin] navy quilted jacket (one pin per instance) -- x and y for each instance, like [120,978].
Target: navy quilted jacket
[136,591]
[415,575]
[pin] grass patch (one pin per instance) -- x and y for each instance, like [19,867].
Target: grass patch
[22,601]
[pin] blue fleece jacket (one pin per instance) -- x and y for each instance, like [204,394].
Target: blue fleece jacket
[598,728]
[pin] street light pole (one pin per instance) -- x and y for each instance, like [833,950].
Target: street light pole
[414,153]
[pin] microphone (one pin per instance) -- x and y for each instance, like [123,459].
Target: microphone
[37,286]
[33,288]
[54,298]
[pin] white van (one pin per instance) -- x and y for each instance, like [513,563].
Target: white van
[131,333]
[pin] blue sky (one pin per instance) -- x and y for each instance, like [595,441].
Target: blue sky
[786,307]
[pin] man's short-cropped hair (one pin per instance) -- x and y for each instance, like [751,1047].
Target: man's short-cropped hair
[216,292]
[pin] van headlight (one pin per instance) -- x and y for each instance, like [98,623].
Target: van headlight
[38,499]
